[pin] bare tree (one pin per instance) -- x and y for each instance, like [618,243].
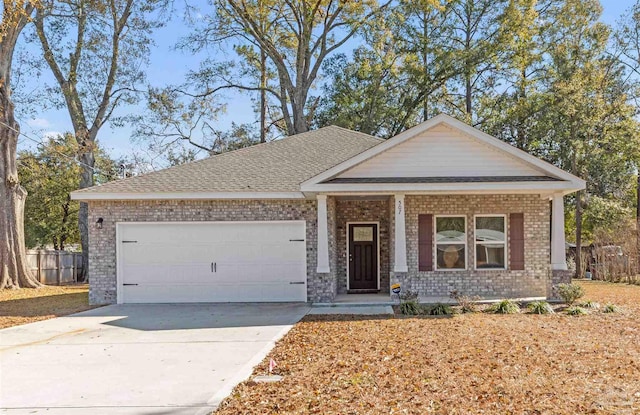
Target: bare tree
[294,36]
[95,50]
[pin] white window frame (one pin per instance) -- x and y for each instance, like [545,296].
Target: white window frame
[504,242]
[465,243]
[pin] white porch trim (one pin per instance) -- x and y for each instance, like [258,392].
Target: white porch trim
[323,236]
[400,263]
[558,248]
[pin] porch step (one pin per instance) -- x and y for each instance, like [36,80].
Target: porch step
[363,291]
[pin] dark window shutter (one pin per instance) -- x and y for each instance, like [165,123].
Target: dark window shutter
[516,241]
[425,242]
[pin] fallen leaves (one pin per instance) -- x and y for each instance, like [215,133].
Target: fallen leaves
[27,305]
[473,363]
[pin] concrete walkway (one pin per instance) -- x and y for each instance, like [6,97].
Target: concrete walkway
[137,359]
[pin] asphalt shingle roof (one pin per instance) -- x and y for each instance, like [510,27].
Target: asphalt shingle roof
[277,166]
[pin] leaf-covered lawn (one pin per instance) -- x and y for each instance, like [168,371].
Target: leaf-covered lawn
[28,305]
[468,364]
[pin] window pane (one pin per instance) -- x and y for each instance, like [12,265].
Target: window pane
[490,229]
[450,229]
[490,256]
[451,256]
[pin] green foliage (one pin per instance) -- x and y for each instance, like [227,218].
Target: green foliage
[570,293]
[576,311]
[409,303]
[440,310]
[49,175]
[603,213]
[505,307]
[540,307]
[610,308]
[410,308]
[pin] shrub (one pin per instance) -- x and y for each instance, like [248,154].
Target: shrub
[576,311]
[570,293]
[409,303]
[505,307]
[440,310]
[540,307]
[590,304]
[410,308]
[610,308]
[466,303]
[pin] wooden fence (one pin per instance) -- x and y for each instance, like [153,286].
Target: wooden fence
[55,267]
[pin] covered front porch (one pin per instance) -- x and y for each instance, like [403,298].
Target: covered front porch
[367,242]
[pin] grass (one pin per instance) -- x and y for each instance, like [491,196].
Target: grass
[28,305]
[475,363]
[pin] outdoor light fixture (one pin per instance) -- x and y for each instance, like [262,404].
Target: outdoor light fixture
[99,223]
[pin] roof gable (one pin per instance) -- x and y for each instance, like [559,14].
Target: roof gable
[442,151]
[442,147]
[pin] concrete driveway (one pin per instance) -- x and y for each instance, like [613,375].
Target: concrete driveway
[137,359]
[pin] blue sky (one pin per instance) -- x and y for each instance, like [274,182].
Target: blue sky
[169,65]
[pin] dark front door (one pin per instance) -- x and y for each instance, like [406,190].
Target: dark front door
[363,256]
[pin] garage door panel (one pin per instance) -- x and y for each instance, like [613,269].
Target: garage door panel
[254,261]
[167,253]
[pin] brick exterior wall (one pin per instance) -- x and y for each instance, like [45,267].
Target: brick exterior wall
[536,280]
[362,211]
[102,242]
[533,281]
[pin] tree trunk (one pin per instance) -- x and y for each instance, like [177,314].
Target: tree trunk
[468,94]
[86,180]
[263,96]
[638,225]
[299,119]
[579,269]
[14,272]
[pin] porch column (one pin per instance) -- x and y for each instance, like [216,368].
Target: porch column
[323,235]
[400,263]
[558,248]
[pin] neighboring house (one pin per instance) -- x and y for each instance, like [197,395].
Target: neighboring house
[439,207]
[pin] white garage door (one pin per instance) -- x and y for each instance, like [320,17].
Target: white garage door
[212,262]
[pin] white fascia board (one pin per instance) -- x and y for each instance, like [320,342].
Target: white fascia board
[87,196]
[454,123]
[448,188]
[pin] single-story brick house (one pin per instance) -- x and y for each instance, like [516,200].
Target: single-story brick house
[439,207]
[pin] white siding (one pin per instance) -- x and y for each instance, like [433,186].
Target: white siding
[442,152]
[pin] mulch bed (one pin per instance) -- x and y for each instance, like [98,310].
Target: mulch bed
[468,364]
[27,305]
